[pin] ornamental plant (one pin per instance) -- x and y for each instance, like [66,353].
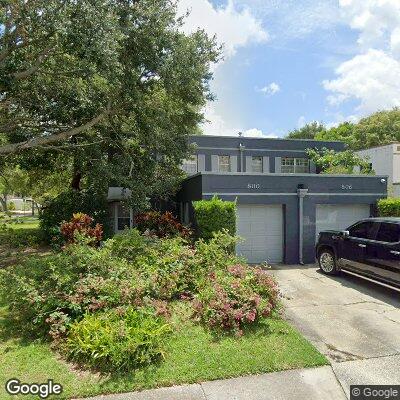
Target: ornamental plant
[160,225]
[231,299]
[81,224]
[120,340]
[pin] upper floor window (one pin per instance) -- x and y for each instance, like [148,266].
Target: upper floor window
[291,165]
[190,165]
[224,164]
[256,164]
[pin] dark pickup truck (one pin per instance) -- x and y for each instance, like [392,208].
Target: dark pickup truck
[370,248]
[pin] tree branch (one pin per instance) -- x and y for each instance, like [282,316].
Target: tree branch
[43,140]
[31,70]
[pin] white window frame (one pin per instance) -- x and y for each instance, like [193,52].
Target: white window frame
[295,165]
[116,217]
[225,165]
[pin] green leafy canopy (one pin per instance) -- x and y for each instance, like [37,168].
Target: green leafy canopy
[107,91]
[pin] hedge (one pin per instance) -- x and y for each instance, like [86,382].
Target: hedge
[389,207]
[214,216]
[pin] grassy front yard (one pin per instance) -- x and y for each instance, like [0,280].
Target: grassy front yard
[20,237]
[192,354]
[142,312]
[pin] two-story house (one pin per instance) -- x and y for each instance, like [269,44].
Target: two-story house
[282,202]
[385,160]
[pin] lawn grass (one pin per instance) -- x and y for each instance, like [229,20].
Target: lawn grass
[20,237]
[19,231]
[192,354]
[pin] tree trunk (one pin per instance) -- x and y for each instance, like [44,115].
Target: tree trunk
[3,201]
[76,180]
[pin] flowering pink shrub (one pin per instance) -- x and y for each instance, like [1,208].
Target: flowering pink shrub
[235,297]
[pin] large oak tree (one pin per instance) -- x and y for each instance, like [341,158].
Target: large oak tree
[110,87]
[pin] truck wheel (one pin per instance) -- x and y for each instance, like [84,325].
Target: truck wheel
[327,262]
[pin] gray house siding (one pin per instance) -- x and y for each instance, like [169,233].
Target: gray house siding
[242,149]
[258,189]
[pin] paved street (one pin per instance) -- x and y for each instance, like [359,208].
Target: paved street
[355,323]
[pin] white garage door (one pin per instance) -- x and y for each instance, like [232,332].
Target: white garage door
[261,227]
[339,216]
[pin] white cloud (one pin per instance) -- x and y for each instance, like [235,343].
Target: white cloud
[372,76]
[216,125]
[270,90]
[258,133]
[232,27]
[395,42]
[375,19]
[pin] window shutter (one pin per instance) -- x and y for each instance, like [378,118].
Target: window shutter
[248,163]
[214,163]
[233,161]
[278,165]
[201,162]
[265,165]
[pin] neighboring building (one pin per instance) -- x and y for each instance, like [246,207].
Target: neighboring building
[282,202]
[385,160]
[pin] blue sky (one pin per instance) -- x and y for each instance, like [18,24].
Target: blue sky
[288,62]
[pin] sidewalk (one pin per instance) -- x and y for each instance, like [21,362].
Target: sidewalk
[308,384]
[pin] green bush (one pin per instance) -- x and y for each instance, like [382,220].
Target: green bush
[61,208]
[111,341]
[389,207]
[217,253]
[45,294]
[171,269]
[11,206]
[129,244]
[167,265]
[235,297]
[215,215]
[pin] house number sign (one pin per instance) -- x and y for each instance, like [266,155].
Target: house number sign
[347,187]
[253,186]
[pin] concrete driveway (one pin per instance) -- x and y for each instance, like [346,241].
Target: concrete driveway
[355,323]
